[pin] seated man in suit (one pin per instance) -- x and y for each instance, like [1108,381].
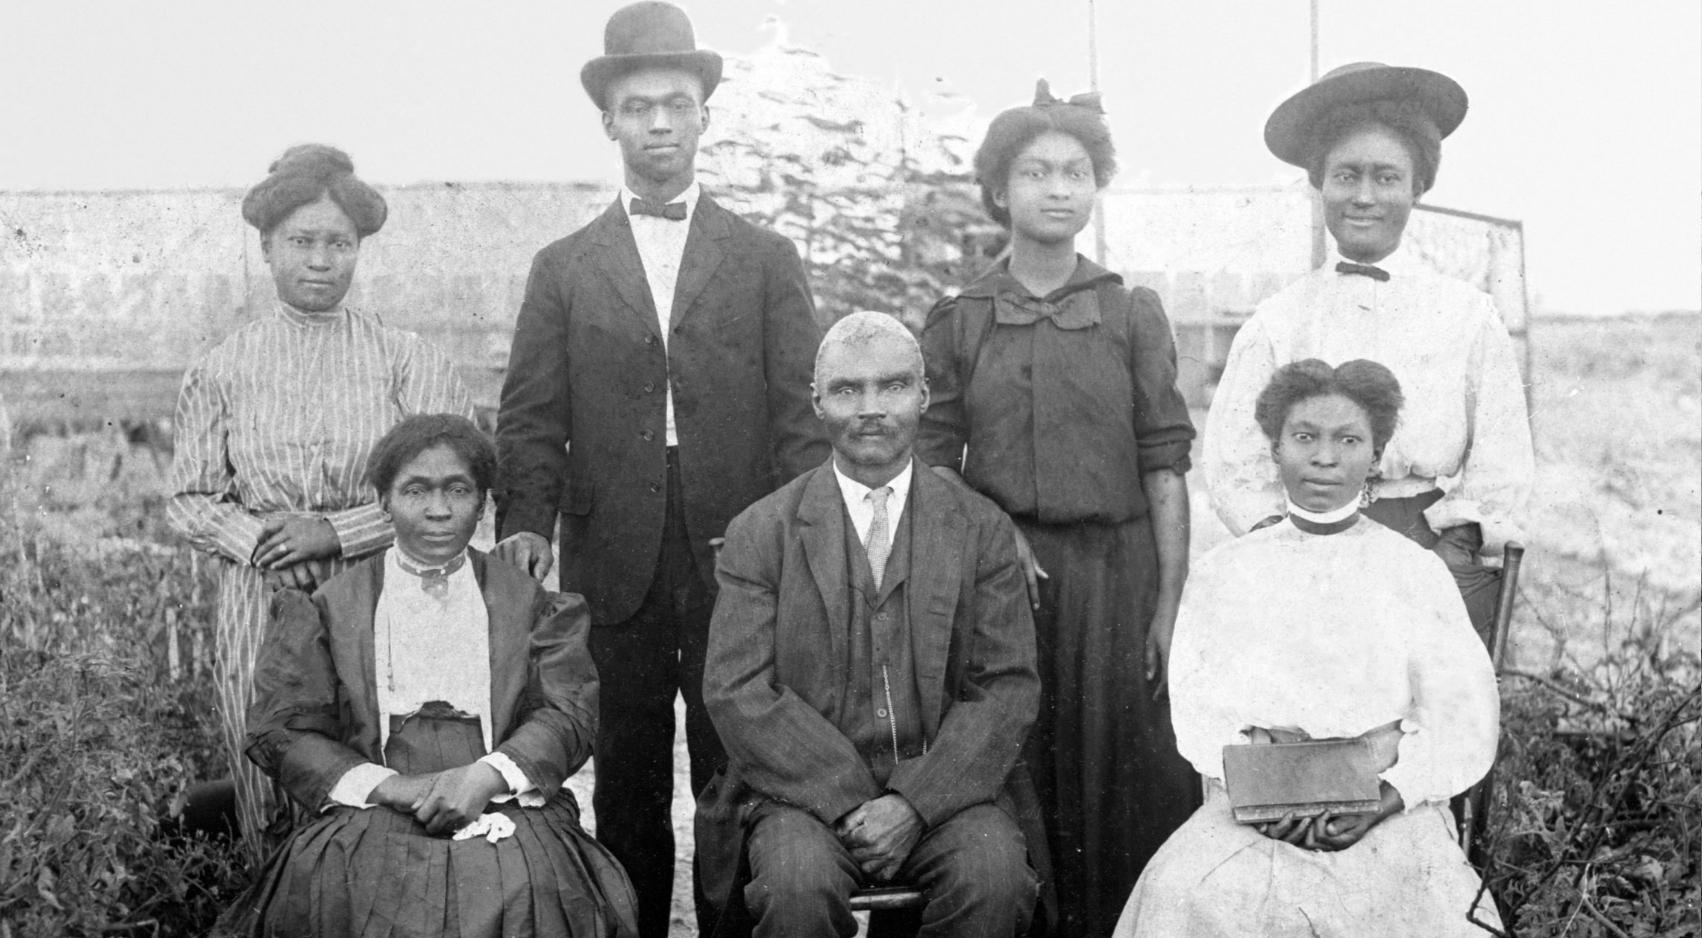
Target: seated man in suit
[871,674]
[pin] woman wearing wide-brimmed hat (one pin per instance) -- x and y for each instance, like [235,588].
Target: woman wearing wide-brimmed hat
[275,425]
[1370,138]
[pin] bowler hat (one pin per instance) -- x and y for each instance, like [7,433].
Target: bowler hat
[1288,133]
[648,34]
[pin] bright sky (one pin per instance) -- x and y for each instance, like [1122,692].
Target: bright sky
[1586,119]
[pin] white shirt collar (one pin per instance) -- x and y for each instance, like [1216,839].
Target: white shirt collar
[856,496]
[689,197]
[1325,517]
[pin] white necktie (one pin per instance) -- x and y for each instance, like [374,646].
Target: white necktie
[879,543]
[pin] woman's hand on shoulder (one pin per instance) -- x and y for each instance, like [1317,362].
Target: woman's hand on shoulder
[287,542]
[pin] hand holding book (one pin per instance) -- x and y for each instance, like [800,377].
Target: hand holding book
[1333,830]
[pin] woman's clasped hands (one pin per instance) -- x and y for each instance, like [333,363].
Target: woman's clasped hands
[1331,831]
[443,801]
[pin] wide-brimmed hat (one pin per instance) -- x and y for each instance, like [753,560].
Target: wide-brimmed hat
[648,34]
[1288,133]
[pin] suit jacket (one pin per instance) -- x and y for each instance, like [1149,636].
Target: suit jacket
[777,663]
[315,711]
[581,427]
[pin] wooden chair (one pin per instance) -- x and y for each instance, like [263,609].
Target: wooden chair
[1473,806]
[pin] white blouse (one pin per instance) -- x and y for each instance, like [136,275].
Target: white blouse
[1334,635]
[1443,339]
[427,648]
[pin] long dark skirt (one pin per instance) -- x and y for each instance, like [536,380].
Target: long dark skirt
[376,872]
[1480,586]
[1112,786]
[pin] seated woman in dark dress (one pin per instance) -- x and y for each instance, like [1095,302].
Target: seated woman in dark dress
[424,708]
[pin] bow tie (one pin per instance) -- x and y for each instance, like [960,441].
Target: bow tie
[673,211]
[1015,309]
[434,581]
[1364,270]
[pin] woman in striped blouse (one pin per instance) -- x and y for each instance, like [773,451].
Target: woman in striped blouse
[275,426]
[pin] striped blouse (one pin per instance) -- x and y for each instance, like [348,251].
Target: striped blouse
[281,418]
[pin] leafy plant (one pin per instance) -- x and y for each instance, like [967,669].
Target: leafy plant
[106,716]
[1598,796]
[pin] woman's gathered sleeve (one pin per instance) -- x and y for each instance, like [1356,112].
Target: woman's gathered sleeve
[1241,476]
[1164,433]
[945,424]
[1203,705]
[557,722]
[294,730]
[1499,465]
[205,506]
[1452,726]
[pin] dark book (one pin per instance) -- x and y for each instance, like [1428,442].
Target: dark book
[1305,779]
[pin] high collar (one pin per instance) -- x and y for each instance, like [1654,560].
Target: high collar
[998,279]
[299,317]
[1324,522]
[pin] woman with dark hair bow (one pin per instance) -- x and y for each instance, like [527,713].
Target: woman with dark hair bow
[274,427]
[1326,626]
[1370,139]
[1060,382]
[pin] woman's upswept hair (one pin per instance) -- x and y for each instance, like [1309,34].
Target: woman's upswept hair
[1405,119]
[1012,131]
[416,434]
[302,176]
[1366,383]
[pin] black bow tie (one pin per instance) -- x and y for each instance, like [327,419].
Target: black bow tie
[673,211]
[1364,270]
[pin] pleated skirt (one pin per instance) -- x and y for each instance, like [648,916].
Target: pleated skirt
[376,873]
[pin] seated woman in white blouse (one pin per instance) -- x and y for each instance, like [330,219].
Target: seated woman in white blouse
[424,708]
[1325,625]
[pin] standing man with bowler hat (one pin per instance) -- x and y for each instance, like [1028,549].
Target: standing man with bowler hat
[659,383]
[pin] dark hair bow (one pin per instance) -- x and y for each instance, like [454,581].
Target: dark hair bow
[1043,98]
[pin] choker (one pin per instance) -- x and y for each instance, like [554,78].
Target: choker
[434,580]
[1324,522]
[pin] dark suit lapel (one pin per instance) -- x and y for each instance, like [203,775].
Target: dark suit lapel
[510,631]
[821,515]
[704,251]
[936,561]
[618,259]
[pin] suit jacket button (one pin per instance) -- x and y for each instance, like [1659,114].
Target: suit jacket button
[649,386]
[654,487]
[649,340]
[648,436]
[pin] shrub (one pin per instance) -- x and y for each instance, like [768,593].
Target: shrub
[1598,791]
[98,743]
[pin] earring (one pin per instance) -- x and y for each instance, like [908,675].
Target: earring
[1366,495]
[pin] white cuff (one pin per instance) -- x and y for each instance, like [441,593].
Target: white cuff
[519,786]
[356,785]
